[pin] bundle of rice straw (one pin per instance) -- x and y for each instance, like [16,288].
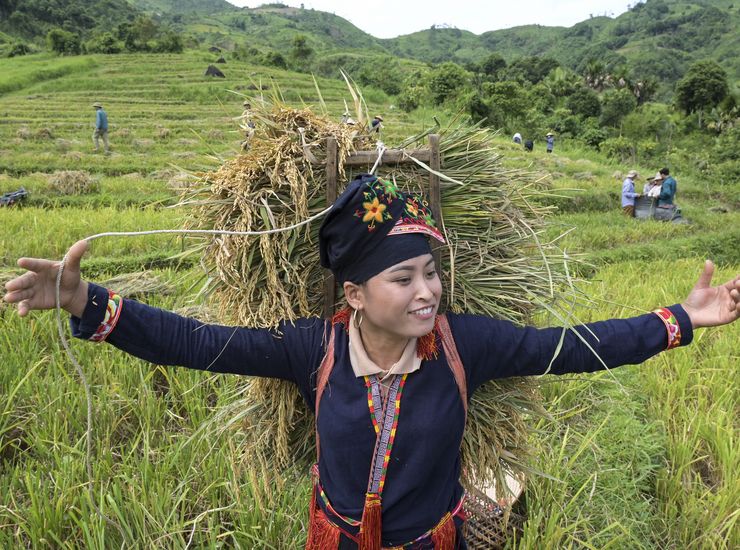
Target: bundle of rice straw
[73,182]
[495,265]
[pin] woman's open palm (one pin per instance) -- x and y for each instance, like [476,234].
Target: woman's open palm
[36,289]
[710,306]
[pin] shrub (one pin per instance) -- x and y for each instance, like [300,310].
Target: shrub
[447,81]
[619,148]
[19,48]
[104,43]
[169,42]
[593,136]
[275,59]
[410,97]
[617,104]
[584,102]
[63,42]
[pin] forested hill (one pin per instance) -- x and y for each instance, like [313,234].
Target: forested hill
[30,19]
[657,38]
[184,6]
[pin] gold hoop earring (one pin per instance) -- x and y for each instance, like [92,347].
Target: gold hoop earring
[356,323]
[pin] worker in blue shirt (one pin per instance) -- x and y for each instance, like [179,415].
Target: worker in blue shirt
[101,128]
[628,194]
[667,190]
[550,141]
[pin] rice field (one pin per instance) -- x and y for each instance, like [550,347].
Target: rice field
[640,457]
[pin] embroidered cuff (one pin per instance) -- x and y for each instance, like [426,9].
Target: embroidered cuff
[112,312]
[672,326]
[100,316]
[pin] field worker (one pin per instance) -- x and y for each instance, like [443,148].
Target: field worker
[247,125]
[376,124]
[529,145]
[388,377]
[101,128]
[628,194]
[517,138]
[652,187]
[550,141]
[667,190]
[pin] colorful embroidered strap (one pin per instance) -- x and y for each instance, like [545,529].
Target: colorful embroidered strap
[671,325]
[112,313]
[385,422]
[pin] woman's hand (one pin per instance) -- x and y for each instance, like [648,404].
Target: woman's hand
[37,288]
[713,306]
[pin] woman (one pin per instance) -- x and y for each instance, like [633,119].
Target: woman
[393,376]
[653,186]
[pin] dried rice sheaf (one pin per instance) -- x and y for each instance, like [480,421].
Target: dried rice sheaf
[496,264]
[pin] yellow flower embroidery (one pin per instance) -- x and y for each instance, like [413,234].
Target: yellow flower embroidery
[411,207]
[373,211]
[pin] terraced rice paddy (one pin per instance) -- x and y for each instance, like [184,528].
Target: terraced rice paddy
[642,457]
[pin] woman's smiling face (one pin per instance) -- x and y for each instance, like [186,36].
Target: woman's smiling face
[400,302]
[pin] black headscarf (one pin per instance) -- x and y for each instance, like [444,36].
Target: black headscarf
[373,226]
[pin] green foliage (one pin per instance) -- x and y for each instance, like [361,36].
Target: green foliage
[168,42]
[585,103]
[63,42]
[704,86]
[413,93]
[616,104]
[301,50]
[18,48]
[103,43]
[619,148]
[562,82]
[447,82]
[35,18]
[593,135]
[532,69]
[275,59]
[490,66]
[144,34]
[385,73]
[509,102]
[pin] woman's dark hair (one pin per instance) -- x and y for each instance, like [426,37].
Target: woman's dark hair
[665,171]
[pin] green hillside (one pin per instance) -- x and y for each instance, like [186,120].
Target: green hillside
[169,7]
[276,27]
[655,39]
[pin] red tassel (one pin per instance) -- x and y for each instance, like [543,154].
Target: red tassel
[342,317]
[322,535]
[426,346]
[444,535]
[371,526]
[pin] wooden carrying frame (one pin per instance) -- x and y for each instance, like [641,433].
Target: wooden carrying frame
[430,156]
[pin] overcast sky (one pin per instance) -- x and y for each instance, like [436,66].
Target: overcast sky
[387,19]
